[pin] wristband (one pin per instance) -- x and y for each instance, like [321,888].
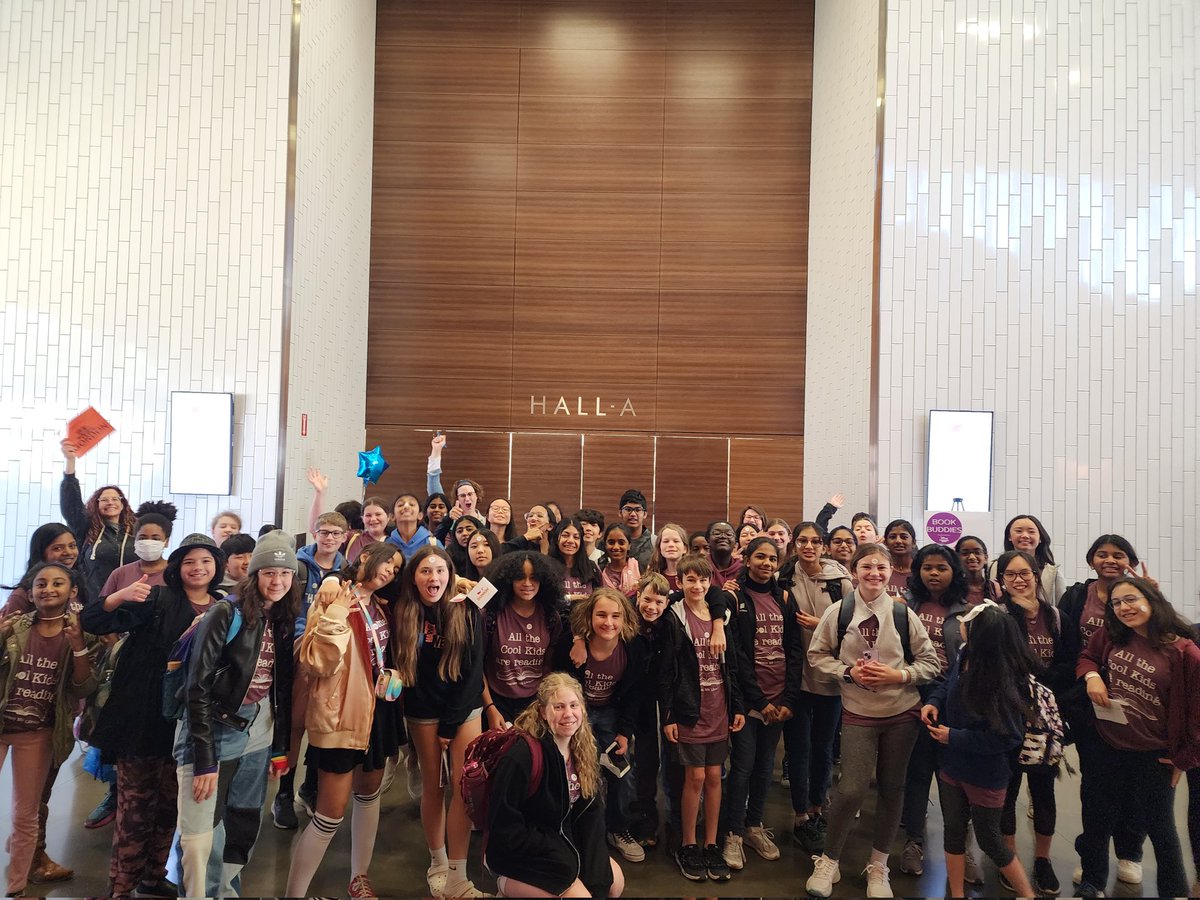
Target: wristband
[489,706]
[80,653]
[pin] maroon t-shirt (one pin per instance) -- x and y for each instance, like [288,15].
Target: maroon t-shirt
[574,789]
[260,681]
[729,573]
[974,595]
[516,658]
[869,629]
[1139,675]
[575,587]
[30,703]
[897,586]
[1041,641]
[600,676]
[770,664]
[123,576]
[933,617]
[713,724]
[672,581]
[1091,617]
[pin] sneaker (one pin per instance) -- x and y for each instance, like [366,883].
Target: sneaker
[1005,883]
[360,886]
[413,774]
[809,836]
[972,874]
[623,843]
[464,889]
[785,777]
[760,840]
[735,856]
[308,799]
[647,835]
[160,888]
[691,862]
[912,860]
[1087,889]
[714,864]
[1077,876]
[1129,871]
[105,811]
[436,877]
[826,873]
[879,883]
[1045,882]
[283,812]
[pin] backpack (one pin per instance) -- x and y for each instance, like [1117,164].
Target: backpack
[899,617]
[1044,729]
[106,667]
[482,756]
[175,676]
[833,587]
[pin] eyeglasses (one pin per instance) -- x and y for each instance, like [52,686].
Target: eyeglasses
[808,542]
[1018,576]
[326,533]
[1124,601]
[843,542]
[629,510]
[979,552]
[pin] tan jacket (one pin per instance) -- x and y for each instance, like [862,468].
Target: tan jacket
[335,654]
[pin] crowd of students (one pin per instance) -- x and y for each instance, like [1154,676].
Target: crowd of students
[631,665]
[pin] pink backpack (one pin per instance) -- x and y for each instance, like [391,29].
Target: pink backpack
[482,757]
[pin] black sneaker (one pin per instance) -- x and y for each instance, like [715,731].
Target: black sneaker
[159,888]
[1087,889]
[691,862]
[283,812]
[715,865]
[1045,882]
[809,836]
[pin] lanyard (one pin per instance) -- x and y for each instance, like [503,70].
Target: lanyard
[372,635]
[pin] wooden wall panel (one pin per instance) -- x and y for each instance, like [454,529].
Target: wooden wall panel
[690,483]
[443,213]
[446,117]
[479,455]
[590,310]
[590,218]
[448,70]
[444,166]
[591,120]
[769,473]
[594,25]
[613,463]
[593,73]
[546,467]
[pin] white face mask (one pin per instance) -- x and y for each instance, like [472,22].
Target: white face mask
[149,551]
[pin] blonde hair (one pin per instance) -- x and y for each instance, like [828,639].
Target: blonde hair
[581,614]
[584,754]
[453,619]
[655,583]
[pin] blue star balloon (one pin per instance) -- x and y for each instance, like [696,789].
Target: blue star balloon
[371,465]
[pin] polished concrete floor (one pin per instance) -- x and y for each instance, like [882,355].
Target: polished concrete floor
[401,858]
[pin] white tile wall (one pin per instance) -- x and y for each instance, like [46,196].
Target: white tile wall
[142,176]
[841,236]
[334,137]
[1040,259]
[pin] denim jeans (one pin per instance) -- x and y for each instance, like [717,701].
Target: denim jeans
[618,791]
[808,738]
[751,761]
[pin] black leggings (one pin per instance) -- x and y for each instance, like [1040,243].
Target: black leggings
[958,812]
[1041,795]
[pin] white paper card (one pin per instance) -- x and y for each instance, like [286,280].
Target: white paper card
[479,595]
[1114,712]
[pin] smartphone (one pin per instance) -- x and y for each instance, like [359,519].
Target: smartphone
[617,763]
[444,769]
[869,655]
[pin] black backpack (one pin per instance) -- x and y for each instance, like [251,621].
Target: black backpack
[899,617]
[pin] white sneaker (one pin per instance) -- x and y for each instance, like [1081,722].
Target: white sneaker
[826,874]
[624,844]
[1129,872]
[878,882]
[734,855]
[759,839]
[1077,876]
[464,889]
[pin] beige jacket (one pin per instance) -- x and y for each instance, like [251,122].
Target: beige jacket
[335,655]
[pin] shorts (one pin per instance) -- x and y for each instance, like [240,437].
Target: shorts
[987,798]
[336,760]
[697,756]
[473,714]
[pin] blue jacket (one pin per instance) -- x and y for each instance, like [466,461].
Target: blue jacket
[420,538]
[314,576]
[977,754]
